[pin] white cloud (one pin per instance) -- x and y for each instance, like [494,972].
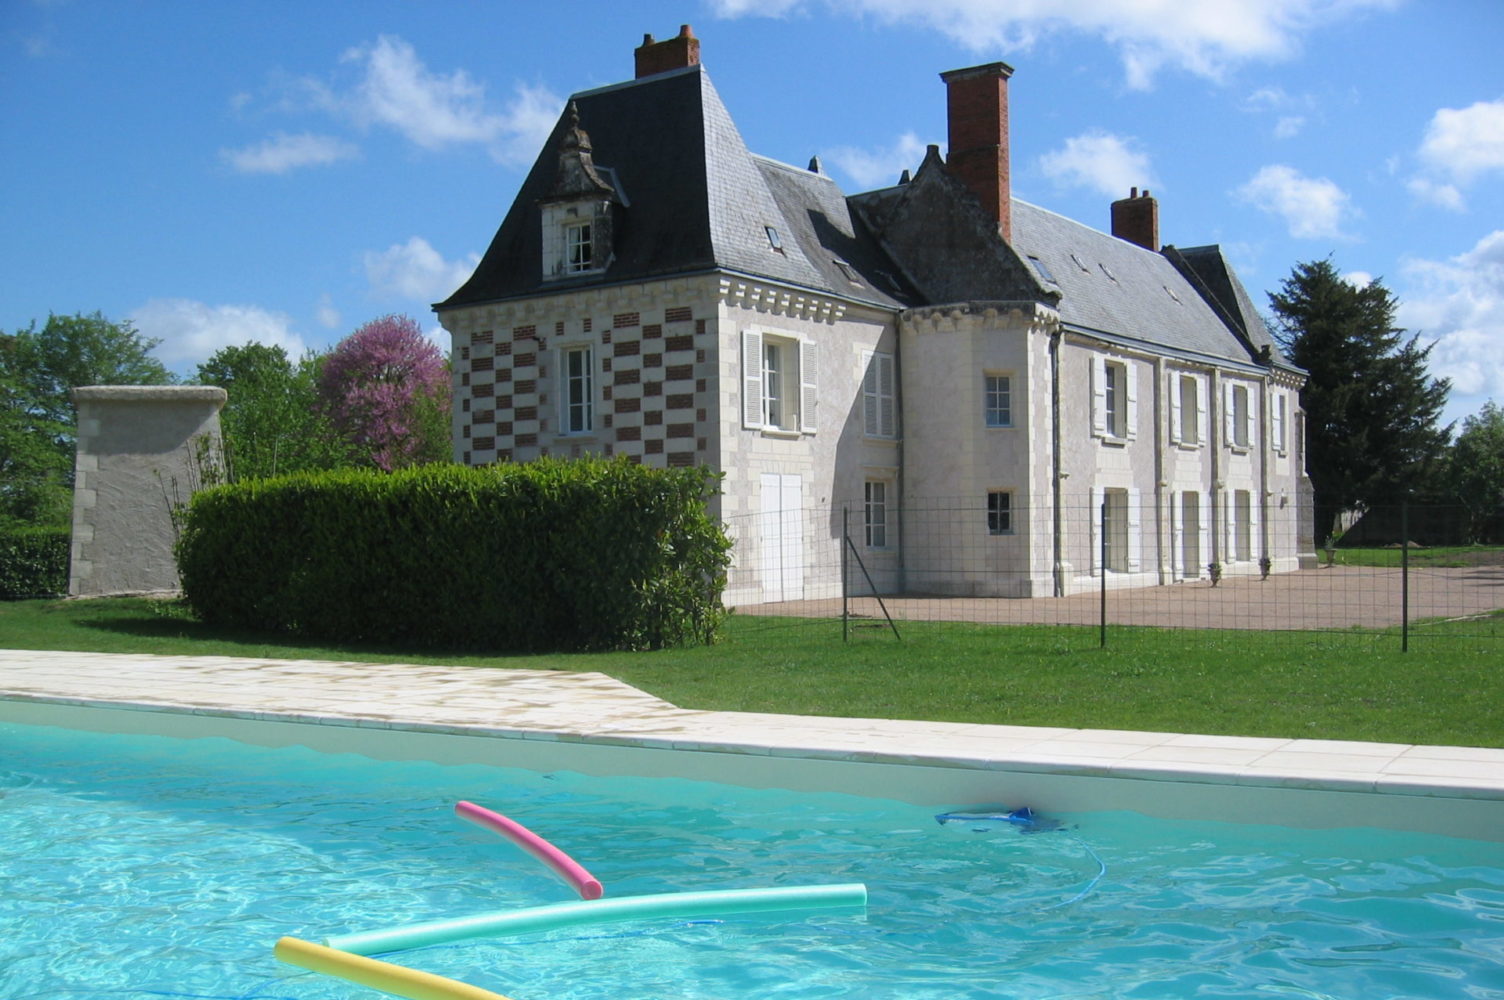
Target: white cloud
[881,167]
[328,316]
[1289,126]
[1457,305]
[1358,279]
[192,331]
[1445,195]
[1460,144]
[1101,161]
[1205,38]
[388,86]
[415,270]
[1312,207]
[283,152]
[436,110]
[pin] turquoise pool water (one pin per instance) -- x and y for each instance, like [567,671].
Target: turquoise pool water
[136,867]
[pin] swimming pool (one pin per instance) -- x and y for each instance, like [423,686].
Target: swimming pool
[135,866]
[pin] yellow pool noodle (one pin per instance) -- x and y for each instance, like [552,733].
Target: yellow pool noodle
[395,979]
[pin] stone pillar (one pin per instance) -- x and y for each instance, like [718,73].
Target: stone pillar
[142,450]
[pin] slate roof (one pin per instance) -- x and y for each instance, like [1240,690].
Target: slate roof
[1111,286]
[1207,268]
[697,200]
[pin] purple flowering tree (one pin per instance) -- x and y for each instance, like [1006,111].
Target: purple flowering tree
[386,389]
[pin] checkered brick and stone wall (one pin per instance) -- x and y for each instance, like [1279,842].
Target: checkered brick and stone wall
[653,359]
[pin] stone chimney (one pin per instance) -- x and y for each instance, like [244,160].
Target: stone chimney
[1136,219]
[977,126]
[660,57]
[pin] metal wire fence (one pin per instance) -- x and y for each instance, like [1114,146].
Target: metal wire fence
[1180,561]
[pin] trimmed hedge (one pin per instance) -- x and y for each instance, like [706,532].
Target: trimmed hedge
[33,562]
[579,555]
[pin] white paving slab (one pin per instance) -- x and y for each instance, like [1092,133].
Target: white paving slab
[594,708]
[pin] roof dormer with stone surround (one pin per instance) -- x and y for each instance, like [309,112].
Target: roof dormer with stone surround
[578,212]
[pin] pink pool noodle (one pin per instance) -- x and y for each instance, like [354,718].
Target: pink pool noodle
[563,865]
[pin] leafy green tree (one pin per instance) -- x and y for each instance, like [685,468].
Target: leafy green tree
[271,422]
[1371,408]
[34,472]
[1475,468]
[38,368]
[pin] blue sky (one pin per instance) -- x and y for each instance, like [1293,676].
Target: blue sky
[233,171]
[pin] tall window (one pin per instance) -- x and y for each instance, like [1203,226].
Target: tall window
[999,512]
[875,511]
[579,417]
[1190,411]
[1115,528]
[1240,416]
[779,382]
[879,409]
[578,255]
[774,392]
[1277,422]
[998,401]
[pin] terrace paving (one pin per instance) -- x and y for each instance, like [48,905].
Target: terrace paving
[593,708]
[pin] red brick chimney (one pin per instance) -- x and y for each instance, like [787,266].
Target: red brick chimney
[977,120]
[660,57]
[1136,219]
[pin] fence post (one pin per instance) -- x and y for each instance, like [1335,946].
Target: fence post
[1102,566]
[1404,576]
[845,586]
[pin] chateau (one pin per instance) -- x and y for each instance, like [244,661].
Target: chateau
[1083,403]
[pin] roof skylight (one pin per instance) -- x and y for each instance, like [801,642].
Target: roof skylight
[774,240]
[1043,269]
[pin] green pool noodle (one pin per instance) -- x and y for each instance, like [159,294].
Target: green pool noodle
[594,911]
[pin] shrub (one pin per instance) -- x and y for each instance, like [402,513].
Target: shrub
[33,562]
[584,554]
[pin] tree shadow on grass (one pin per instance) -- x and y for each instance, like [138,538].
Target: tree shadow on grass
[219,640]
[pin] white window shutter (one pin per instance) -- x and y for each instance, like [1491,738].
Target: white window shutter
[1099,397]
[1130,389]
[1135,522]
[1228,429]
[887,395]
[870,422]
[752,416]
[1277,420]
[1177,534]
[809,380]
[1174,392]
[1251,422]
[1203,413]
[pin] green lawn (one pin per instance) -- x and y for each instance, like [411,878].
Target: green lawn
[1440,556]
[1448,689]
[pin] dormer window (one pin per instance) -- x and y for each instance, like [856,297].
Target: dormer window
[577,212]
[577,255]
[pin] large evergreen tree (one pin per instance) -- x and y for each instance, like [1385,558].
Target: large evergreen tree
[1371,407]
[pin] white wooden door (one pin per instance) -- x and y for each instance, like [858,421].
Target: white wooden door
[781,537]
